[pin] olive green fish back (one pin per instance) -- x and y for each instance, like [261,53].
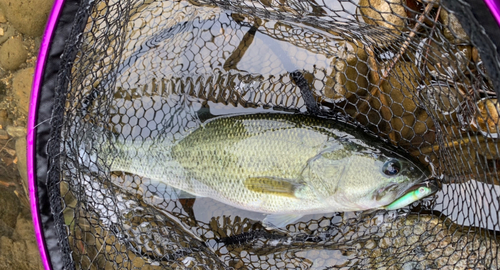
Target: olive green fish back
[423,76]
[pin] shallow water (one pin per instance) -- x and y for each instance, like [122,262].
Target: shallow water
[185,67]
[122,219]
[18,246]
[234,237]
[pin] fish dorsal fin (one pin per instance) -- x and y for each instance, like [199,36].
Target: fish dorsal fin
[273,185]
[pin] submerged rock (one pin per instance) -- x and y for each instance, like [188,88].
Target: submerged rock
[13,54]
[10,207]
[5,229]
[22,88]
[350,73]
[20,251]
[3,135]
[442,100]
[386,13]
[16,132]
[27,16]
[454,31]
[487,117]
[21,160]
[6,30]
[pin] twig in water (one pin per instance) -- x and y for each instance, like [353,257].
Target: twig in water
[454,143]
[5,146]
[424,61]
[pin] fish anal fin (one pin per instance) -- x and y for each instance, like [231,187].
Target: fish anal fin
[279,220]
[168,192]
[273,185]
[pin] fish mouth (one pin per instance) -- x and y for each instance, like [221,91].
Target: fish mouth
[429,187]
[431,183]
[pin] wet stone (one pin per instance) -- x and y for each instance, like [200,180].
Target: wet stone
[349,76]
[22,88]
[2,16]
[5,230]
[21,159]
[443,63]
[10,207]
[9,151]
[3,135]
[487,117]
[13,53]
[4,118]
[21,252]
[16,132]
[454,31]
[389,14]
[27,16]
[6,31]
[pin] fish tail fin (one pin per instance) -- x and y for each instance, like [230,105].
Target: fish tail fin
[84,144]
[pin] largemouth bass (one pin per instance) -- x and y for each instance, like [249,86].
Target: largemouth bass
[282,165]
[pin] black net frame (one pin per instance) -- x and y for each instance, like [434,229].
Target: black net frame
[56,232]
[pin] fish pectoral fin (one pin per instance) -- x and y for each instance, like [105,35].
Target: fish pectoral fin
[279,220]
[275,186]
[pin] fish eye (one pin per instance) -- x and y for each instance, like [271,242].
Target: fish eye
[391,167]
[422,190]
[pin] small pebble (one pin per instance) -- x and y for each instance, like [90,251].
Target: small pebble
[7,32]
[16,132]
[21,160]
[12,54]
[4,135]
[2,17]
[9,151]
[21,85]
[4,119]
[27,16]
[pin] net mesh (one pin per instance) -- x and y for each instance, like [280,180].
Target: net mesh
[406,70]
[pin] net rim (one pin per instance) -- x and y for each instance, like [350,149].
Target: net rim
[31,128]
[493,6]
